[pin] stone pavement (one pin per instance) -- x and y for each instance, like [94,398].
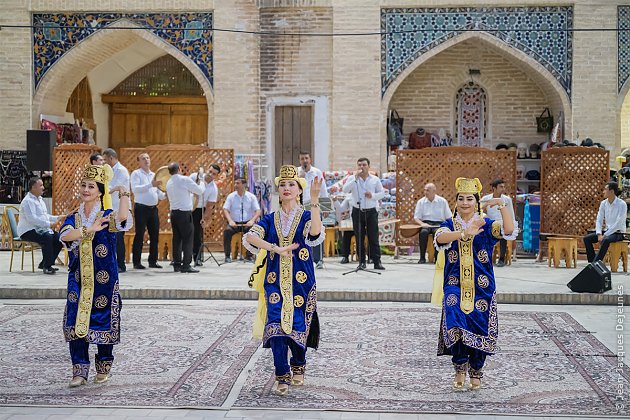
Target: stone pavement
[525,281]
[376,361]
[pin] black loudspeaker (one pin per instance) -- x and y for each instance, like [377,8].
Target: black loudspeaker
[39,149]
[594,278]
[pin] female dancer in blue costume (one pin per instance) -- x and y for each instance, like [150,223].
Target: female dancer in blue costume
[287,293]
[469,326]
[93,304]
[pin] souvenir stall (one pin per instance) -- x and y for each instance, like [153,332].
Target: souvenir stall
[13,185]
[251,167]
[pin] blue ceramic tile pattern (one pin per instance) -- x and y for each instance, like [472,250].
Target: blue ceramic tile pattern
[623,45]
[57,33]
[543,33]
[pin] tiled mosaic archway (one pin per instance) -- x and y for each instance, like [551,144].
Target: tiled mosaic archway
[57,33]
[543,33]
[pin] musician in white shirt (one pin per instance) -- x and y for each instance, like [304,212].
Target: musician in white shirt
[612,212]
[35,224]
[119,183]
[366,190]
[431,211]
[200,212]
[309,172]
[241,209]
[146,196]
[179,189]
[494,213]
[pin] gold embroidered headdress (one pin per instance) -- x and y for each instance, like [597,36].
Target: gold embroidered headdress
[290,173]
[101,174]
[468,185]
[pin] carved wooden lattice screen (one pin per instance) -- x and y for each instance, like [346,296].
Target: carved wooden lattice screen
[190,158]
[572,181]
[69,161]
[442,166]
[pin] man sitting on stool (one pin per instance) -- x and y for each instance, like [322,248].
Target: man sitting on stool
[241,210]
[35,222]
[494,213]
[431,211]
[178,190]
[613,212]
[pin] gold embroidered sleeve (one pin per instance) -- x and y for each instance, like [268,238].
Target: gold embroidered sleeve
[307,229]
[65,229]
[496,229]
[258,231]
[112,222]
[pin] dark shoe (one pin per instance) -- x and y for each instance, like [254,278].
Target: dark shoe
[139,267]
[189,270]
[319,265]
[362,265]
[155,265]
[49,271]
[228,260]
[344,260]
[122,269]
[198,264]
[41,267]
[422,261]
[378,266]
[500,263]
[177,268]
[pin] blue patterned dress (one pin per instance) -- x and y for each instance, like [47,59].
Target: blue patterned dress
[469,307]
[93,301]
[290,289]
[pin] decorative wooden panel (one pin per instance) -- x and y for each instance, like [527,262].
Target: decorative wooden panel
[69,161]
[190,158]
[572,184]
[442,166]
[293,132]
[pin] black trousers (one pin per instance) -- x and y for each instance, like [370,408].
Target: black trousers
[146,218]
[227,237]
[51,246]
[591,238]
[502,249]
[346,238]
[366,221]
[120,249]
[423,236]
[197,235]
[182,237]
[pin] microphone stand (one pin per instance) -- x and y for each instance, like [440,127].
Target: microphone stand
[241,228]
[360,239]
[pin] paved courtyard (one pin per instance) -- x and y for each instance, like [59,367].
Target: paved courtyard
[187,351]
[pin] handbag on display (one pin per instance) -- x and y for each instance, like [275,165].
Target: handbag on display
[544,123]
[394,129]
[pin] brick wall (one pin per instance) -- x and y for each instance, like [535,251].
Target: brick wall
[427,97]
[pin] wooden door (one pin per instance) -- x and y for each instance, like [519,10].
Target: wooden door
[293,132]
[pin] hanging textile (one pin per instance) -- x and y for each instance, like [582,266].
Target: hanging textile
[471,104]
[527,229]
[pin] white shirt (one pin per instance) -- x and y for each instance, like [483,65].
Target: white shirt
[435,211]
[494,212]
[310,176]
[614,215]
[179,189]
[202,183]
[143,191]
[34,215]
[211,193]
[241,209]
[121,178]
[358,187]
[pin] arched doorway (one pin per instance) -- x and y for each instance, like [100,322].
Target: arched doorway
[97,53]
[517,89]
[161,103]
[623,117]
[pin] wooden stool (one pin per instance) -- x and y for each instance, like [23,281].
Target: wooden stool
[330,249]
[128,245]
[617,250]
[236,244]
[353,247]
[430,249]
[165,243]
[557,246]
[508,253]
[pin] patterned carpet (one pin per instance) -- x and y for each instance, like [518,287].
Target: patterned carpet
[371,358]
